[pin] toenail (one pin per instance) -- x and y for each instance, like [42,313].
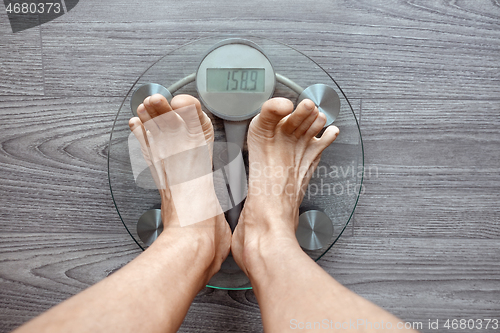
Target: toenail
[156,100]
[309,105]
[141,109]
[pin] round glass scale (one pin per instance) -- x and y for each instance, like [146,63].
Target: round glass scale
[232,77]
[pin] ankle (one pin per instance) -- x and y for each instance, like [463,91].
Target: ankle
[194,255]
[265,249]
[278,218]
[268,257]
[196,247]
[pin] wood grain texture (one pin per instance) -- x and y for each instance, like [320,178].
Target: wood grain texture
[426,230]
[374,49]
[432,169]
[39,270]
[53,155]
[420,279]
[460,277]
[21,71]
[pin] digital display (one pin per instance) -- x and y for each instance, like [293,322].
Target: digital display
[235,79]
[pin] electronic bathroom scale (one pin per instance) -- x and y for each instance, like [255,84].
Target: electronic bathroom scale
[233,76]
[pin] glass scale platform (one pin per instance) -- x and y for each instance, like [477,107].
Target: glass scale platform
[334,189]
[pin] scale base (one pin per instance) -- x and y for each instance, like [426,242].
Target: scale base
[149,226]
[315,230]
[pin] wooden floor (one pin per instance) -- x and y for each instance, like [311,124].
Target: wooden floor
[425,78]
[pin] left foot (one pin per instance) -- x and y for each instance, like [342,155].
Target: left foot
[176,140]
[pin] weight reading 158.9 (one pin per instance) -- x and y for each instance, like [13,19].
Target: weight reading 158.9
[34,8]
[242,80]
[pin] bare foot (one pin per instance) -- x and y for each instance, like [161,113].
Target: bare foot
[283,152]
[176,142]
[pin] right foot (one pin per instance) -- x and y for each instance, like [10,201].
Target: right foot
[283,153]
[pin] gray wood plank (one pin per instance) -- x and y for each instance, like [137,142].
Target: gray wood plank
[39,270]
[53,164]
[421,279]
[426,229]
[414,278]
[374,49]
[432,169]
[21,71]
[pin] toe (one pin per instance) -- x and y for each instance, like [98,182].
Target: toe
[183,100]
[134,123]
[315,127]
[145,118]
[139,131]
[149,108]
[270,115]
[301,113]
[317,146]
[329,135]
[158,105]
[197,122]
[180,104]
[158,109]
[304,126]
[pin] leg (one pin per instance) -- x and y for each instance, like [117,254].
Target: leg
[153,292]
[290,287]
